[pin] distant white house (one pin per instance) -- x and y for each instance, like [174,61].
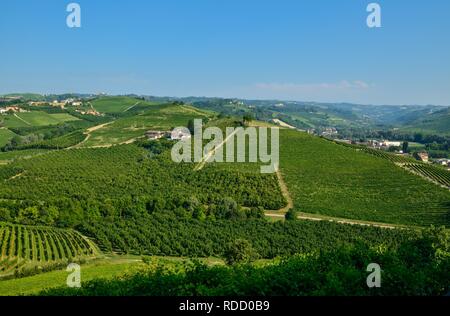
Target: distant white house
[443,162]
[154,135]
[383,144]
[391,144]
[180,134]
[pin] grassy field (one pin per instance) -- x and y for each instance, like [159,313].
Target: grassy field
[36,118]
[328,179]
[104,269]
[160,117]
[5,136]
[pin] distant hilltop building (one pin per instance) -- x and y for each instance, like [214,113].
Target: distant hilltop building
[443,162]
[178,134]
[14,109]
[90,112]
[329,131]
[154,135]
[383,144]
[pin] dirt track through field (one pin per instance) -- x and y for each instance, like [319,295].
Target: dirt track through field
[88,134]
[131,107]
[21,119]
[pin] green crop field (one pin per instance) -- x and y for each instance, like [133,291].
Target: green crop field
[329,179]
[36,118]
[22,246]
[126,171]
[436,174]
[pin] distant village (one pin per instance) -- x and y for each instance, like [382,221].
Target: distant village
[63,104]
[176,134]
[396,148]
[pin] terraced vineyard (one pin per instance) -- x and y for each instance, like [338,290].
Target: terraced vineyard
[433,173]
[380,153]
[22,246]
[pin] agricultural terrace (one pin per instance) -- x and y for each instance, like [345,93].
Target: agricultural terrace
[25,246]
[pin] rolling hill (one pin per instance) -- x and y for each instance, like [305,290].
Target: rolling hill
[329,179]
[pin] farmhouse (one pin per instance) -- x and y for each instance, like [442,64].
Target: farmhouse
[153,135]
[179,134]
[443,162]
[90,112]
[423,156]
[31,103]
[14,109]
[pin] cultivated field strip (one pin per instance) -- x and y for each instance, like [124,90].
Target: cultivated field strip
[435,174]
[21,245]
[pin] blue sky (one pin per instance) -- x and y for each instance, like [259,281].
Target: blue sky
[309,50]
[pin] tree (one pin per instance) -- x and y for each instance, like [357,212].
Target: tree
[48,215]
[256,212]
[5,215]
[191,126]
[291,215]
[248,118]
[227,208]
[240,251]
[28,216]
[405,147]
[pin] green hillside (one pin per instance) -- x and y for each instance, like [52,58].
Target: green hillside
[329,179]
[5,136]
[159,117]
[435,123]
[117,104]
[27,96]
